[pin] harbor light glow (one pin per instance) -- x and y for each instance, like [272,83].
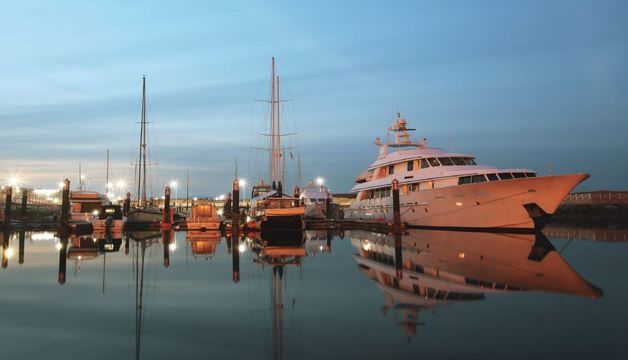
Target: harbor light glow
[95,212]
[174,184]
[172,246]
[242,182]
[9,253]
[220,212]
[58,246]
[241,248]
[195,198]
[320,181]
[14,180]
[61,185]
[121,184]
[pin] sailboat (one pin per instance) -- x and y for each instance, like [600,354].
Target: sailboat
[270,207]
[143,213]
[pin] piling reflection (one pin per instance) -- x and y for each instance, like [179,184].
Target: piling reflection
[439,268]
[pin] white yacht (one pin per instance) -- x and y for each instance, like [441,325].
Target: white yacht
[440,189]
[314,197]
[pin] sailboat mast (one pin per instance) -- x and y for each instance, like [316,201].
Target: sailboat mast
[143,144]
[272,122]
[278,149]
[107,176]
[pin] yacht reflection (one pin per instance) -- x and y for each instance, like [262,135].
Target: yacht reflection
[277,250]
[440,267]
[317,241]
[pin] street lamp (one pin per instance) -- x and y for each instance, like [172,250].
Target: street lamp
[174,184]
[242,184]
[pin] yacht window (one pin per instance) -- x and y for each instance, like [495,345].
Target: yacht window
[478,178]
[440,295]
[446,161]
[413,187]
[433,162]
[492,177]
[410,165]
[470,161]
[391,169]
[431,292]
[458,161]
[424,164]
[530,174]
[464,180]
[505,176]
[518,175]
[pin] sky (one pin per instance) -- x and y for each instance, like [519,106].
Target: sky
[521,84]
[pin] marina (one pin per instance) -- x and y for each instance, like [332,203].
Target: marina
[323,180]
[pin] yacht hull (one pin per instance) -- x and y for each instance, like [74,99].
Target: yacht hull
[508,205]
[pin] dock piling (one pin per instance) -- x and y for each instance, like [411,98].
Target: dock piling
[235,218]
[235,257]
[24,204]
[7,205]
[65,205]
[166,221]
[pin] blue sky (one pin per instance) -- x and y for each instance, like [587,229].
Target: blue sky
[519,84]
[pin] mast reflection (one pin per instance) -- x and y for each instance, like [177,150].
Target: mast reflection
[440,268]
[277,250]
[143,240]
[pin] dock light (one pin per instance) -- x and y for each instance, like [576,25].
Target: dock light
[241,248]
[58,246]
[61,185]
[174,184]
[13,180]
[82,177]
[9,253]
[220,212]
[242,182]
[95,212]
[172,246]
[195,198]
[320,181]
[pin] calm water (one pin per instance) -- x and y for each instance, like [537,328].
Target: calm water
[460,295]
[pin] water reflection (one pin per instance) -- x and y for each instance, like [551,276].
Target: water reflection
[426,269]
[417,272]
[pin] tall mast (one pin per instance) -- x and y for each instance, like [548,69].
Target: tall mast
[142,168]
[107,176]
[278,149]
[272,122]
[80,178]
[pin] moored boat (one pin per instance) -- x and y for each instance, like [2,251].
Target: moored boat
[445,190]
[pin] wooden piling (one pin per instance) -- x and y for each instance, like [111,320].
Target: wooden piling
[235,218]
[166,222]
[7,205]
[126,207]
[24,204]
[65,206]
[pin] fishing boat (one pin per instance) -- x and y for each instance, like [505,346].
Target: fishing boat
[143,213]
[446,190]
[316,198]
[270,208]
[204,217]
